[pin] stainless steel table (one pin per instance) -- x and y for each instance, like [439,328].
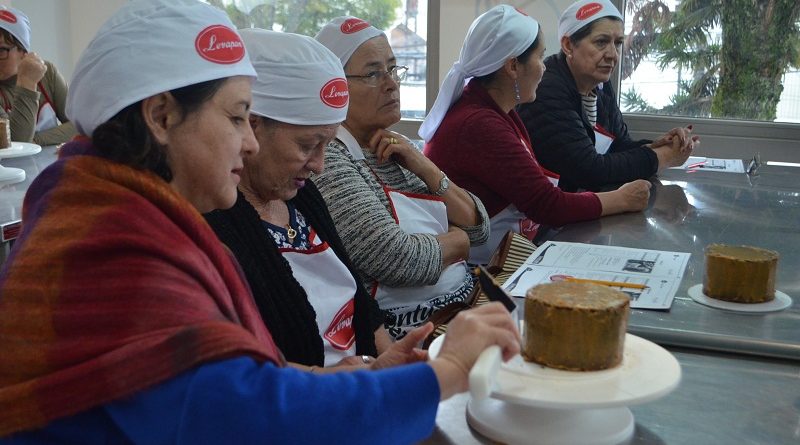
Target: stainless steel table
[722,399]
[743,396]
[11,195]
[691,210]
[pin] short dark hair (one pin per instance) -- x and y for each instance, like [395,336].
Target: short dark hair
[581,34]
[11,39]
[125,138]
[522,58]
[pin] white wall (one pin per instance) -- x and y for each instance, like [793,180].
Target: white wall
[457,15]
[61,29]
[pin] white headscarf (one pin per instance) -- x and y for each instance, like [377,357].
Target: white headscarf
[299,80]
[16,22]
[343,36]
[499,34]
[149,47]
[583,12]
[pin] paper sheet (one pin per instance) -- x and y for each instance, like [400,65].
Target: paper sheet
[697,163]
[661,271]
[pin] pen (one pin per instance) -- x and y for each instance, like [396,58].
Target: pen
[607,283]
[696,165]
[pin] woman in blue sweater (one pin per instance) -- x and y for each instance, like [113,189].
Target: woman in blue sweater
[125,320]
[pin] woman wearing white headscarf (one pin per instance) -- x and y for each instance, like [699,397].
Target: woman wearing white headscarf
[476,137]
[575,124]
[407,227]
[32,92]
[125,320]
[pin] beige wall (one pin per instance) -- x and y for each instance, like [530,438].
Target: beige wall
[457,15]
[61,29]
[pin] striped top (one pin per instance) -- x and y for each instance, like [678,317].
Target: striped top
[361,212]
[590,107]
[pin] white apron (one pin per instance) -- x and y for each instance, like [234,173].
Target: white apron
[331,289]
[602,139]
[416,213]
[510,218]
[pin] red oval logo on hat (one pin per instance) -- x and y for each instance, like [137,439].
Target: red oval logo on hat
[8,16]
[335,93]
[351,26]
[219,44]
[588,10]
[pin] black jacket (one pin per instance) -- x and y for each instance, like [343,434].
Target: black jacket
[563,138]
[281,300]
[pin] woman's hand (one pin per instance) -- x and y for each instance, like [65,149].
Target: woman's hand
[388,145]
[675,147]
[468,335]
[405,350]
[454,245]
[631,197]
[30,71]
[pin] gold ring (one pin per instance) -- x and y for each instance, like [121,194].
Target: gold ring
[392,140]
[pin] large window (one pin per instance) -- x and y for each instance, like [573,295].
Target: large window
[403,21]
[722,59]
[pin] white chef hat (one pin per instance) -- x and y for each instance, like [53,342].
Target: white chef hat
[583,12]
[299,80]
[499,34]
[343,36]
[149,47]
[16,22]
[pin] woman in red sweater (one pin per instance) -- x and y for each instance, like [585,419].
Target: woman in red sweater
[474,135]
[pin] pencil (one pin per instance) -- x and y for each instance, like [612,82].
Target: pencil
[607,283]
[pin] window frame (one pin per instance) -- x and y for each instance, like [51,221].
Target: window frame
[725,138]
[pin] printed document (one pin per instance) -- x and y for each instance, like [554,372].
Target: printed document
[660,271]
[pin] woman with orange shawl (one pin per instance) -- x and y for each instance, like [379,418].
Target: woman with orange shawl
[122,317]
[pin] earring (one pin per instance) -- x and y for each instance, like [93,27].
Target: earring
[516,91]
[569,55]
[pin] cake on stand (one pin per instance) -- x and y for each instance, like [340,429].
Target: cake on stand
[520,402]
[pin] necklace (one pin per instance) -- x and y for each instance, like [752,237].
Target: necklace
[290,233]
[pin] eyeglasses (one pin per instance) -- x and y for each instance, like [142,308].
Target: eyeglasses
[5,50]
[374,78]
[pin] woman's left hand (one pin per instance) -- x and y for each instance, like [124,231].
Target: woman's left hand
[405,350]
[388,145]
[684,135]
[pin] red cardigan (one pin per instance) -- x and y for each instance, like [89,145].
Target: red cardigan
[480,148]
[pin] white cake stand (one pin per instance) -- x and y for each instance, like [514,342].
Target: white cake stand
[779,303]
[19,149]
[10,175]
[533,404]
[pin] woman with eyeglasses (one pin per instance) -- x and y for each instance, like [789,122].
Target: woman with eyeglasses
[575,124]
[474,133]
[406,226]
[32,92]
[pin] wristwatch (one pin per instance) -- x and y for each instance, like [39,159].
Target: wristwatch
[444,184]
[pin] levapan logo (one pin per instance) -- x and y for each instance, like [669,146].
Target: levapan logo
[219,44]
[351,26]
[588,10]
[335,93]
[8,16]
[340,333]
